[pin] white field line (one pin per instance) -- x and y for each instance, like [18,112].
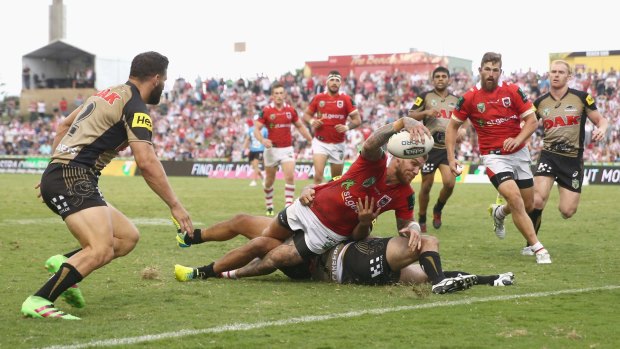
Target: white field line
[316,318]
[58,220]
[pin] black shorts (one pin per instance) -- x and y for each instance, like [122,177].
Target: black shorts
[567,171]
[258,155]
[365,263]
[70,189]
[436,157]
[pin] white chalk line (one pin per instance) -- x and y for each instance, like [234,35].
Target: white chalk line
[316,318]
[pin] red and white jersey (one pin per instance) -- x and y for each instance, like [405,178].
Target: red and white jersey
[495,115]
[278,123]
[335,203]
[331,110]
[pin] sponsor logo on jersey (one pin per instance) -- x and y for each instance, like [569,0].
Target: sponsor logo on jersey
[288,115]
[142,120]
[546,112]
[418,101]
[506,102]
[108,96]
[340,104]
[523,95]
[433,103]
[481,107]
[369,181]
[570,108]
[561,121]
[589,100]
[347,184]
[384,201]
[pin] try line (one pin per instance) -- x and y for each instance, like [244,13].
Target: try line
[316,318]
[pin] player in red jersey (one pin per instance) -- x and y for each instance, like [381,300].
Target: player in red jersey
[332,108]
[496,110]
[333,215]
[278,117]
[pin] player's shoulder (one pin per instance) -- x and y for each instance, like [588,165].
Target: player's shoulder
[542,98]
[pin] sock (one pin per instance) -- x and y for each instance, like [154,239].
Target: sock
[205,271]
[268,197]
[197,239]
[289,194]
[422,219]
[500,213]
[229,274]
[538,248]
[64,278]
[431,264]
[454,273]
[487,279]
[536,217]
[68,255]
[438,206]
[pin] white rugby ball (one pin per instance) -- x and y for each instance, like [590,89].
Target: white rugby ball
[401,145]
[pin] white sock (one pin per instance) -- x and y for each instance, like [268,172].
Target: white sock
[230,274]
[538,248]
[500,213]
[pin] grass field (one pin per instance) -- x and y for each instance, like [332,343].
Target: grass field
[572,303]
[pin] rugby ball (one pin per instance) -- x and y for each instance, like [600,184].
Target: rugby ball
[402,146]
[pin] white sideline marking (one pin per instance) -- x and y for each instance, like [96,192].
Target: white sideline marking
[304,319]
[58,220]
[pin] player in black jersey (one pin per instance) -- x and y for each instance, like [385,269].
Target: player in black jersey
[564,112]
[86,141]
[434,108]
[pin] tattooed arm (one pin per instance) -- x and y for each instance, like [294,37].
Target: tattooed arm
[372,147]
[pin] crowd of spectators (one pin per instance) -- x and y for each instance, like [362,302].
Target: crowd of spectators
[208,119]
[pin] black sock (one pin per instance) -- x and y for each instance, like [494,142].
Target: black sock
[422,219]
[431,264]
[205,272]
[64,278]
[536,217]
[68,255]
[487,279]
[438,206]
[197,239]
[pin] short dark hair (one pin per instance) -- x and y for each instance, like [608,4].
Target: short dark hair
[148,64]
[276,85]
[441,69]
[492,57]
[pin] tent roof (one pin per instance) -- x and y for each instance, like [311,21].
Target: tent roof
[58,50]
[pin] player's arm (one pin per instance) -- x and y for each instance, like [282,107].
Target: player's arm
[310,119]
[410,229]
[601,124]
[155,176]
[303,130]
[366,214]
[452,130]
[371,150]
[259,136]
[64,126]
[530,124]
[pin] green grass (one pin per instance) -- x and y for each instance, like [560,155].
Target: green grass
[120,304]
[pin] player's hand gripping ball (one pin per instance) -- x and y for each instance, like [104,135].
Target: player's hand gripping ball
[402,146]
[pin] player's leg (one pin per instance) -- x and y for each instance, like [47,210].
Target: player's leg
[255,171]
[270,177]
[319,161]
[285,255]
[569,201]
[424,197]
[288,167]
[336,169]
[448,181]
[241,224]
[542,189]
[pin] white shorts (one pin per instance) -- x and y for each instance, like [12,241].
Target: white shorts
[318,237]
[334,151]
[519,164]
[275,156]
